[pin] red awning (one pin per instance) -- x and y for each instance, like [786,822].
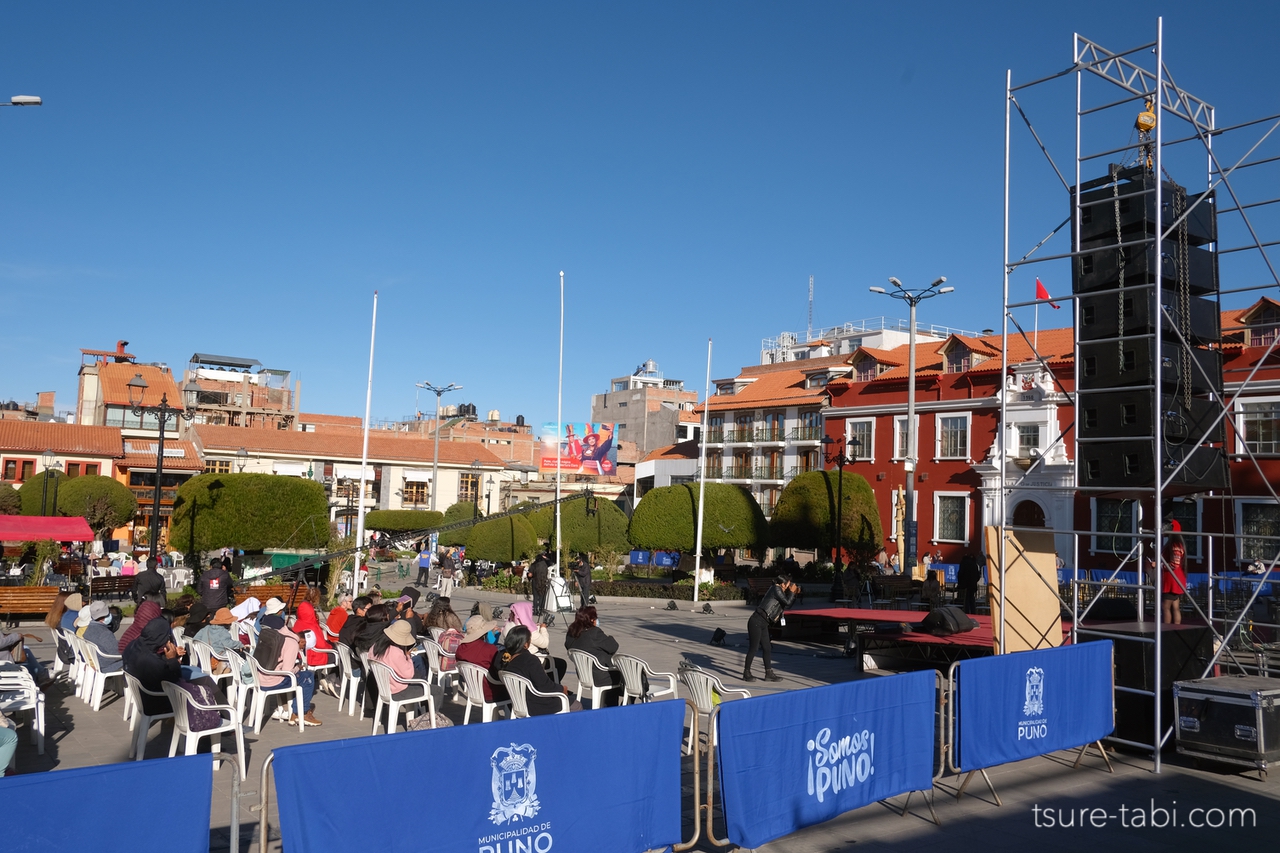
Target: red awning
[29,528]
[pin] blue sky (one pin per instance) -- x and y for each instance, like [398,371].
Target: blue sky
[239,178]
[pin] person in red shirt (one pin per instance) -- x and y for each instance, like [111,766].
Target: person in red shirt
[1173,583]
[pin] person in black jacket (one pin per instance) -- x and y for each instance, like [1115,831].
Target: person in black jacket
[516,658]
[585,634]
[967,577]
[215,586]
[582,572]
[146,582]
[775,601]
[539,571]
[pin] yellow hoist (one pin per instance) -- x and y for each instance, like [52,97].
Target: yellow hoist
[1145,123]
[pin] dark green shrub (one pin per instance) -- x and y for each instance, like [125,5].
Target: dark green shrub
[402,520]
[667,518]
[803,517]
[104,502]
[249,511]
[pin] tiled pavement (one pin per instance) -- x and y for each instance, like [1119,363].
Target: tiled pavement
[78,737]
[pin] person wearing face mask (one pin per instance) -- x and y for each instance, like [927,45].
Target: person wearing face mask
[480,646]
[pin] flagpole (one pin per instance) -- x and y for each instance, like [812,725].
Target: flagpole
[559,425]
[364,452]
[702,480]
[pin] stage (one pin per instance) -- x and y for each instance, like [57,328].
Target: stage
[871,630]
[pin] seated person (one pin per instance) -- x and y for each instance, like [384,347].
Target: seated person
[217,635]
[307,621]
[338,615]
[479,646]
[395,649]
[96,631]
[931,592]
[521,613]
[246,613]
[352,624]
[404,609]
[442,616]
[12,649]
[369,631]
[516,658]
[290,660]
[153,658]
[73,603]
[585,635]
[149,609]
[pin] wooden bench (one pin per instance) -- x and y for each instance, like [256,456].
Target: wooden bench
[16,600]
[281,591]
[111,585]
[888,589]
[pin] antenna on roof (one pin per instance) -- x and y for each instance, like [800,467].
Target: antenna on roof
[810,331]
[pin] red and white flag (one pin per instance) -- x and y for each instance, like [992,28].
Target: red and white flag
[1041,293]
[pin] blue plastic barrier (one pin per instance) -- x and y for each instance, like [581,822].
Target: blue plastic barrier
[593,780]
[666,559]
[1015,706]
[1099,575]
[132,806]
[1232,578]
[639,558]
[802,757]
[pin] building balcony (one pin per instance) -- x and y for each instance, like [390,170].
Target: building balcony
[146,495]
[796,470]
[739,436]
[811,434]
[769,472]
[775,435]
[712,474]
[715,436]
[739,472]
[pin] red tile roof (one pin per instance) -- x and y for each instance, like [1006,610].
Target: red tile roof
[115,378]
[683,450]
[689,416]
[775,388]
[64,439]
[141,455]
[343,445]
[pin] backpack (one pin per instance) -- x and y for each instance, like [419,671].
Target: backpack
[201,721]
[449,642]
[945,621]
[267,652]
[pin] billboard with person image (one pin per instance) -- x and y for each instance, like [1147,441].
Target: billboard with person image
[578,448]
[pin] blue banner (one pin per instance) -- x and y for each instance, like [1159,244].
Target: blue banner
[802,757]
[592,780]
[1015,706]
[666,559]
[639,558]
[134,806]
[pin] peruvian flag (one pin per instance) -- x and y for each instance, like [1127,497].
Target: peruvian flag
[1041,293]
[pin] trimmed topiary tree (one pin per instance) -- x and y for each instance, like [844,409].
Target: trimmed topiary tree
[460,511]
[33,490]
[249,511]
[502,540]
[667,518]
[606,530]
[104,502]
[803,516]
[10,500]
[402,520]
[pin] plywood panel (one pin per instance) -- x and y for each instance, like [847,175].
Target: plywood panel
[1032,611]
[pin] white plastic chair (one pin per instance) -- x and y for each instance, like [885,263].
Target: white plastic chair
[18,692]
[585,664]
[73,669]
[84,687]
[435,655]
[238,663]
[349,677]
[138,743]
[321,668]
[385,676]
[182,702]
[261,694]
[634,670]
[520,689]
[700,685]
[473,680]
[204,656]
[98,659]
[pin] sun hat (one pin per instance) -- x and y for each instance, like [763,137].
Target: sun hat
[74,601]
[223,617]
[98,610]
[400,633]
[477,626]
[83,618]
[274,606]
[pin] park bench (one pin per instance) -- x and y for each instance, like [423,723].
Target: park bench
[18,600]
[891,592]
[281,591]
[119,586]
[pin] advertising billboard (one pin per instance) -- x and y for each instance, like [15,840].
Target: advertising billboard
[580,448]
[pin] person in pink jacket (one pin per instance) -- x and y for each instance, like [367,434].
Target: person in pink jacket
[394,648]
[290,661]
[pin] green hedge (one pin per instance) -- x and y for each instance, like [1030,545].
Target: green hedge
[667,517]
[458,512]
[806,507]
[249,511]
[502,540]
[680,591]
[606,530]
[104,502]
[10,500]
[33,490]
[402,520]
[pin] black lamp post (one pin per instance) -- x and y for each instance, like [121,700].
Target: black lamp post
[475,488]
[839,459]
[51,463]
[164,412]
[242,459]
[488,496]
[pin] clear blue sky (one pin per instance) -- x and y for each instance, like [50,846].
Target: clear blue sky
[239,178]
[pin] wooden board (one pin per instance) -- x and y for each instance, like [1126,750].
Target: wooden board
[1032,611]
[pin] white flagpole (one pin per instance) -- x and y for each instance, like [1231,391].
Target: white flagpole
[1035,337]
[702,479]
[364,452]
[559,425]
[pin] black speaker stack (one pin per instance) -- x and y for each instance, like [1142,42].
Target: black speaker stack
[1130,291]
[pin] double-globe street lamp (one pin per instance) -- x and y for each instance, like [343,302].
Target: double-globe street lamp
[839,458]
[51,463]
[913,296]
[439,391]
[163,412]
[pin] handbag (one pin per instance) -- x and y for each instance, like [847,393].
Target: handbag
[201,720]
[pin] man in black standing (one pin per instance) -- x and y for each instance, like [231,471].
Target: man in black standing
[582,571]
[215,586]
[967,577]
[540,573]
[147,582]
[775,601]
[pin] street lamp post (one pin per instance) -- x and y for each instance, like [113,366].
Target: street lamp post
[439,391]
[913,296]
[488,496]
[164,412]
[475,488]
[839,459]
[242,459]
[50,460]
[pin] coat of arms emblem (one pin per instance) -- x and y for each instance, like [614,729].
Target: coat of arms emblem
[1033,703]
[514,781]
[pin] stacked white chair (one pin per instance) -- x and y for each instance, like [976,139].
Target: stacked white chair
[18,692]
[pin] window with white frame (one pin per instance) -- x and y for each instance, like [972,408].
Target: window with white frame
[1112,517]
[951,516]
[858,436]
[1261,426]
[1263,327]
[900,445]
[1187,514]
[1028,439]
[953,436]
[1256,525]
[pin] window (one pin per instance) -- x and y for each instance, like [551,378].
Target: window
[73,469]
[1262,426]
[900,446]
[771,427]
[1187,514]
[950,517]
[858,440]
[468,487]
[1028,439]
[620,427]
[622,405]
[959,359]
[91,469]
[217,466]
[810,460]
[715,466]
[715,429]
[1259,520]
[1264,326]
[953,436]
[28,469]
[810,428]
[865,370]
[1110,517]
[416,493]
[620,385]
[11,469]
[769,498]
[725,390]
[817,380]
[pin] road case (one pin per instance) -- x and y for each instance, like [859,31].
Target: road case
[1234,718]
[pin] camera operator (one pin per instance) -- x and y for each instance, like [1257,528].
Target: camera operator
[775,601]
